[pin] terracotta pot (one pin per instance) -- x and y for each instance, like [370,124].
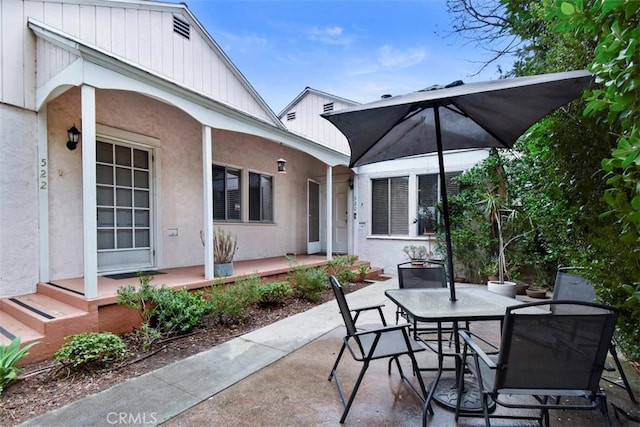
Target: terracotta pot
[536,293]
[521,288]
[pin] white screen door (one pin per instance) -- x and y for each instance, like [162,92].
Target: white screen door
[313,215]
[124,207]
[340,218]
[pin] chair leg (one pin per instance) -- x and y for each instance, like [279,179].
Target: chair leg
[602,404]
[627,386]
[485,409]
[335,365]
[365,366]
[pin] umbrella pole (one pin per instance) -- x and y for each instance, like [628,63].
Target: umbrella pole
[445,205]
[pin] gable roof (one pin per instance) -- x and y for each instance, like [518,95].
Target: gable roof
[308,90]
[194,60]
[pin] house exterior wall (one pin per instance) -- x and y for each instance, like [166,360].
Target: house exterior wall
[308,122]
[288,233]
[140,35]
[386,251]
[177,169]
[19,248]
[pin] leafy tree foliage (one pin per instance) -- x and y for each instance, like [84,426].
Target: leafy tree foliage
[576,173]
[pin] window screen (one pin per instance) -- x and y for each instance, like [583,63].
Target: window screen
[260,197]
[390,206]
[226,194]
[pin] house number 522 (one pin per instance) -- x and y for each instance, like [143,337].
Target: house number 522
[43,174]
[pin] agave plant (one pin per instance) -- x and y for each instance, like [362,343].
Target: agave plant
[10,355]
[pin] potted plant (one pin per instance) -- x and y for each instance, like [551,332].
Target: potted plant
[426,218]
[418,254]
[496,211]
[224,248]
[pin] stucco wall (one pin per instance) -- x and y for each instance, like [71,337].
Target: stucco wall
[19,253]
[288,233]
[178,176]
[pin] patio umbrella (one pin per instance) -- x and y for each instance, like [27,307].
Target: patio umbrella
[457,116]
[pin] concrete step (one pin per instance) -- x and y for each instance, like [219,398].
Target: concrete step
[11,328]
[70,297]
[37,310]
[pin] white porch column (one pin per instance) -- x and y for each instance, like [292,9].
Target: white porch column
[43,193]
[207,197]
[89,220]
[329,213]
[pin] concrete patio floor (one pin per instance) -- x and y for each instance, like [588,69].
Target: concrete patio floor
[277,376]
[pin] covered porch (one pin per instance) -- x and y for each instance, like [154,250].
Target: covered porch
[60,308]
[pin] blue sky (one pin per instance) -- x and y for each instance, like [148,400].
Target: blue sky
[355,49]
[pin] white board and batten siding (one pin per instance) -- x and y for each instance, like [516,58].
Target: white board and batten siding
[303,118]
[139,32]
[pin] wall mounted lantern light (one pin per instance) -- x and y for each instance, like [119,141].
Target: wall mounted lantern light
[282,166]
[74,136]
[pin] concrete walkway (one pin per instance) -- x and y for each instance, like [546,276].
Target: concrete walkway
[277,376]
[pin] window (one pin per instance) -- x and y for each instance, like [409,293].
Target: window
[226,194]
[260,197]
[390,206]
[428,197]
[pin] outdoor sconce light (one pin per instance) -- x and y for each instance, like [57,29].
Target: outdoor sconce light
[282,166]
[74,136]
[350,183]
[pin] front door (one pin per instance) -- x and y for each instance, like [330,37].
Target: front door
[124,207]
[313,216]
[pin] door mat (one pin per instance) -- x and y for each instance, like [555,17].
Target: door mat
[133,274]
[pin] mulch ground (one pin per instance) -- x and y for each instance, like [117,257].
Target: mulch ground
[44,386]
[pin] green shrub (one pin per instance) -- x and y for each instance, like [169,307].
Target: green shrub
[91,349]
[274,293]
[346,276]
[168,311]
[340,263]
[230,302]
[309,282]
[177,311]
[10,355]
[363,270]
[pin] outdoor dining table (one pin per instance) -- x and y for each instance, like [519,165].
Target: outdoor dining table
[433,305]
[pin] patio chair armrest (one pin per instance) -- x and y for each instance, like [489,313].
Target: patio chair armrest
[384,329]
[378,307]
[475,348]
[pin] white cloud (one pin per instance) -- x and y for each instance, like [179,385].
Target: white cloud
[390,57]
[329,35]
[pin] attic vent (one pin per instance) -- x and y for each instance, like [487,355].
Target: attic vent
[327,107]
[181,27]
[291,116]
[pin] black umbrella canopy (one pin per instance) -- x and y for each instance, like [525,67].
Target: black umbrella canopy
[457,116]
[484,114]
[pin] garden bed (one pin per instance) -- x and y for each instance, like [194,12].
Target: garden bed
[44,386]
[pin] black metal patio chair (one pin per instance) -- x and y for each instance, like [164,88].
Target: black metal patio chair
[547,360]
[384,342]
[570,285]
[431,274]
